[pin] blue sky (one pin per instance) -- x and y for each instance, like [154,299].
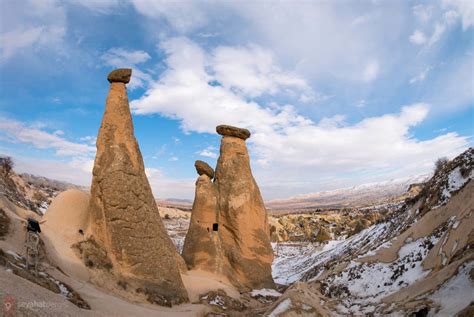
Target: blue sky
[335,93]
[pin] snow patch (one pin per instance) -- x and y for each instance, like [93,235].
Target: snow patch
[281,308]
[265,292]
[456,293]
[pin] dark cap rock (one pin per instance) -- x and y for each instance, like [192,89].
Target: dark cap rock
[121,75]
[229,130]
[204,168]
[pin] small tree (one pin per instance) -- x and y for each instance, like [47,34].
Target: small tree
[6,164]
[440,163]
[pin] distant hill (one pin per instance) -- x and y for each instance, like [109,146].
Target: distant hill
[357,196]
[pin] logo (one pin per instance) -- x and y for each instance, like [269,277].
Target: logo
[9,305]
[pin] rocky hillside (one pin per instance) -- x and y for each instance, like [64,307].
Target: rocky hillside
[31,192]
[418,260]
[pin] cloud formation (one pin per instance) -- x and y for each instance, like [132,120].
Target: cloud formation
[43,24]
[121,58]
[16,131]
[191,91]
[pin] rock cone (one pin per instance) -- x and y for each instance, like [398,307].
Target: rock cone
[124,217]
[204,168]
[228,130]
[242,217]
[228,233]
[201,248]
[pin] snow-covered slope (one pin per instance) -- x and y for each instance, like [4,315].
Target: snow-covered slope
[419,260]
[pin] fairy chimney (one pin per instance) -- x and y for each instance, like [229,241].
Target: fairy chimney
[201,247]
[125,220]
[228,231]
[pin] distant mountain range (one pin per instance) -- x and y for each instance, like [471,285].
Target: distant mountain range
[357,196]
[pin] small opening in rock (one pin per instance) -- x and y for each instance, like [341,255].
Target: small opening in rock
[207,229]
[215,226]
[81,232]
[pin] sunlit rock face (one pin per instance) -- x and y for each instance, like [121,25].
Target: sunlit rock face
[237,244]
[124,218]
[202,246]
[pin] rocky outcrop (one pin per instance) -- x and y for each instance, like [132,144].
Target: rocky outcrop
[242,215]
[204,168]
[201,248]
[121,75]
[229,232]
[124,218]
[228,130]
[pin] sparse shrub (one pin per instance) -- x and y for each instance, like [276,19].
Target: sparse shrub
[4,223]
[167,217]
[465,171]
[39,196]
[6,164]
[3,260]
[440,163]
[323,235]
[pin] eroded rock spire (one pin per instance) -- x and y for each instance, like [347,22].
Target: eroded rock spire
[201,248]
[228,234]
[242,214]
[125,220]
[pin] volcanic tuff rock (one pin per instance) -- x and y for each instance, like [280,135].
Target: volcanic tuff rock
[201,248]
[228,130]
[228,233]
[204,168]
[121,75]
[242,216]
[124,216]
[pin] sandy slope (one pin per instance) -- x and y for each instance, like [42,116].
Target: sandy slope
[66,215]
[60,229]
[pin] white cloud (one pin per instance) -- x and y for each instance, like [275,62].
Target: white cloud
[100,6]
[295,146]
[423,12]
[173,159]
[184,16]
[439,29]
[89,139]
[443,18]
[361,103]
[332,122]
[371,71]
[185,90]
[465,8]
[418,37]
[421,76]
[16,131]
[17,39]
[121,58]
[319,37]
[252,71]
[30,25]
[166,187]
[208,152]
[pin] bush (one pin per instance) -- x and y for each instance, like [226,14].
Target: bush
[440,163]
[4,224]
[6,164]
